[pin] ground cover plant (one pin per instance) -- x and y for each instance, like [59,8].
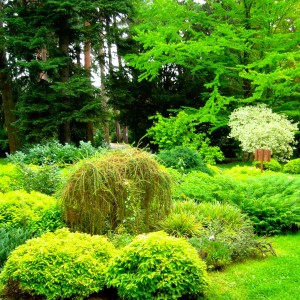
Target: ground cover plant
[271,200]
[125,188]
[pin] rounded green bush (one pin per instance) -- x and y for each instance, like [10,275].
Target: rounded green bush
[183,158]
[60,265]
[292,167]
[125,188]
[272,165]
[157,266]
[33,211]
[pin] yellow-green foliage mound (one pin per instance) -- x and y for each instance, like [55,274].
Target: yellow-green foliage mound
[156,267]
[60,265]
[126,188]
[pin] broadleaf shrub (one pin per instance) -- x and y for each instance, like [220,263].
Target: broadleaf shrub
[259,127]
[44,179]
[292,167]
[272,165]
[184,159]
[157,266]
[60,265]
[54,153]
[9,178]
[180,130]
[32,211]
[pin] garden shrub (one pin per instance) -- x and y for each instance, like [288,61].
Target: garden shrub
[292,167]
[32,211]
[125,187]
[10,238]
[183,159]
[240,172]
[181,224]
[180,130]
[44,179]
[272,202]
[202,187]
[273,215]
[272,165]
[215,253]
[9,178]
[227,234]
[157,266]
[54,153]
[60,265]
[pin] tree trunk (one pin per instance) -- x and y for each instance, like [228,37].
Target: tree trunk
[103,90]
[8,100]
[87,65]
[64,39]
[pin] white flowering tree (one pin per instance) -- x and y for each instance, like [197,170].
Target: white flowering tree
[259,127]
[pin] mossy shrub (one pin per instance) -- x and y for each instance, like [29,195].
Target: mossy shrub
[292,167]
[60,265]
[32,211]
[157,266]
[125,188]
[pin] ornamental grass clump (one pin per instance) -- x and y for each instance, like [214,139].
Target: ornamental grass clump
[158,266]
[125,188]
[60,265]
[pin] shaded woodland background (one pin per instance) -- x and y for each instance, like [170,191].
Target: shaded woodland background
[77,70]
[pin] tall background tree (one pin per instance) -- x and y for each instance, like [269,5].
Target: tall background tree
[150,56]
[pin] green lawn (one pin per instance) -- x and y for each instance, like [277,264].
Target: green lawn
[273,278]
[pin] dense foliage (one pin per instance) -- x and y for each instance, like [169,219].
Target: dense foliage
[293,166]
[60,265]
[180,130]
[157,266]
[257,127]
[270,200]
[10,238]
[272,165]
[219,231]
[32,211]
[53,153]
[125,188]
[183,159]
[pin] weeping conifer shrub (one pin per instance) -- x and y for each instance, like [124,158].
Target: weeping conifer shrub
[122,188]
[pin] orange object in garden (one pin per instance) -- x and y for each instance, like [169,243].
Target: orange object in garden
[262,155]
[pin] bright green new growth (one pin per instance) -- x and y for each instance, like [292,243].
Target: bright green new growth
[125,188]
[292,167]
[33,211]
[157,266]
[60,265]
